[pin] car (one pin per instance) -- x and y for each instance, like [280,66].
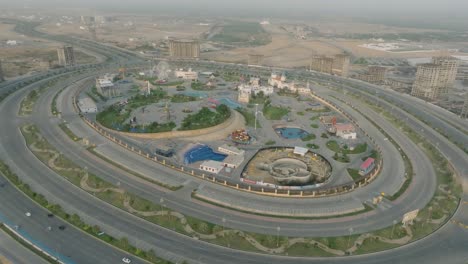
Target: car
[50,215]
[27,214]
[126,260]
[62,227]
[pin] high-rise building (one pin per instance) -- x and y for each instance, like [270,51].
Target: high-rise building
[321,64]
[436,78]
[341,65]
[2,77]
[464,111]
[66,56]
[374,74]
[184,48]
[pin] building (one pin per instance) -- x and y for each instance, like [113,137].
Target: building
[2,76]
[374,74]
[233,161]
[277,80]
[246,90]
[367,166]
[345,131]
[212,166]
[464,111]
[341,65]
[105,86]
[328,120]
[66,56]
[300,151]
[184,48]
[186,75]
[462,73]
[322,64]
[86,105]
[293,88]
[243,97]
[436,78]
[231,150]
[164,150]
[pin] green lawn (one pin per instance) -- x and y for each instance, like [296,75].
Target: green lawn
[312,146]
[354,173]
[181,98]
[274,112]
[309,137]
[333,146]
[206,118]
[249,117]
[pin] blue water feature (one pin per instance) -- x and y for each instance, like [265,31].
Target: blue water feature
[202,152]
[291,132]
[229,103]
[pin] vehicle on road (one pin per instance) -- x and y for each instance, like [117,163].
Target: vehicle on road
[28,214]
[126,260]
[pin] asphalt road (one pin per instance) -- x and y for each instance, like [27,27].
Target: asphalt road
[14,252]
[447,244]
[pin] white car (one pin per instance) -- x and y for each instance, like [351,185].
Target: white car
[126,260]
[28,214]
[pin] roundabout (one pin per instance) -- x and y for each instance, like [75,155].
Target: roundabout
[158,212]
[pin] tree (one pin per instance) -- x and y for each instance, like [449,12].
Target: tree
[203,227]
[335,156]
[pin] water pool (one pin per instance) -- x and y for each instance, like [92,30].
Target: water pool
[291,132]
[202,152]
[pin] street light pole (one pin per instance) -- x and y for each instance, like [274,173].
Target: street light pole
[277,235]
[349,237]
[393,228]
[256,113]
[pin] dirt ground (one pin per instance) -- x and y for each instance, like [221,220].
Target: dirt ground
[131,32]
[30,55]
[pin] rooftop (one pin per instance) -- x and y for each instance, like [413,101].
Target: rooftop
[367,163]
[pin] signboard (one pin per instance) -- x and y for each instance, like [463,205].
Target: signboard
[409,217]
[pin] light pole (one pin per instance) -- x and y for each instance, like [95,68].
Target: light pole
[393,228]
[277,235]
[161,203]
[224,234]
[256,113]
[349,237]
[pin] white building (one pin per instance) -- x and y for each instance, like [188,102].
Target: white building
[231,150]
[87,105]
[233,161]
[212,166]
[253,89]
[276,80]
[300,151]
[105,86]
[186,75]
[346,131]
[243,97]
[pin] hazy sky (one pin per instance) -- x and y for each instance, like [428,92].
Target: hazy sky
[418,6]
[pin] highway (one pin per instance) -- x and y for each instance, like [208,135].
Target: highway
[447,244]
[12,251]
